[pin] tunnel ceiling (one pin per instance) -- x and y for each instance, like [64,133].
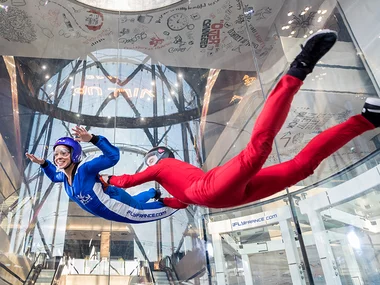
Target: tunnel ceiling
[200,34]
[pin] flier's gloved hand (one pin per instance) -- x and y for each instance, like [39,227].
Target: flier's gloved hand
[104,179]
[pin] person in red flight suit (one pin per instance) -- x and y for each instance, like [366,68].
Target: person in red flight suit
[242,179]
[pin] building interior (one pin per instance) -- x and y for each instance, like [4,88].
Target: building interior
[191,75]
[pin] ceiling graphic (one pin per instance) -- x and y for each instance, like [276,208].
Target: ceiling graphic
[202,34]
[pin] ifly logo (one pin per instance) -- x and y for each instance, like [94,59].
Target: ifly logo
[84,199]
[253,221]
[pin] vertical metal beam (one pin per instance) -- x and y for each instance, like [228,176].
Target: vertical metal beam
[247,269]
[221,278]
[155,140]
[206,251]
[154,92]
[300,238]
[181,108]
[324,249]
[83,81]
[292,256]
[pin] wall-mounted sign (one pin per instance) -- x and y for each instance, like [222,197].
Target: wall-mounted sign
[253,221]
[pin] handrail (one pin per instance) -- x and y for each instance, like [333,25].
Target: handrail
[57,274]
[171,266]
[271,200]
[11,272]
[30,271]
[58,271]
[343,171]
[34,266]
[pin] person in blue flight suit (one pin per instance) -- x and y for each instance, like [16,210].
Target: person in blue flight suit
[83,184]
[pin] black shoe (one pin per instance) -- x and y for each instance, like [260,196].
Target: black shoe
[371,111]
[158,194]
[315,47]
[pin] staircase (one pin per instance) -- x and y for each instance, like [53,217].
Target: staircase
[45,277]
[161,278]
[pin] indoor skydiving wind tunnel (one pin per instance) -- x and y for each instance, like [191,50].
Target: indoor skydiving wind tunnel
[192,76]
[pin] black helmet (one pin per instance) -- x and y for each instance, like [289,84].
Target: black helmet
[156,154]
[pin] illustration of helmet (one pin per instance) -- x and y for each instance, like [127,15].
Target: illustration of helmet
[156,154]
[76,149]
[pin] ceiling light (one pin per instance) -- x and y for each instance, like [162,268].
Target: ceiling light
[142,119]
[47,76]
[293,32]
[44,67]
[78,115]
[324,12]
[311,32]
[303,13]
[109,117]
[152,83]
[319,19]
[180,75]
[290,13]
[49,85]
[305,36]
[307,8]
[176,84]
[291,21]
[172,92]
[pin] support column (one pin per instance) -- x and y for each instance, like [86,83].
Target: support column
[221,278]
[247,269]
[352,264]
[105,245]
[291,251]
[324,249]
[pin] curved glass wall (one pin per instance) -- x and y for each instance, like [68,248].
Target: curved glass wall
[193,77]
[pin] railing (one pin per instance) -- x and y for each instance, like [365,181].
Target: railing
[32,276]
[58,271]
[11,273]
[166,265]
[259,203]
[36,269]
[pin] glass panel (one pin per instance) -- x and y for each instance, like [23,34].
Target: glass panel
[341,231]
[192,76]
[255,248]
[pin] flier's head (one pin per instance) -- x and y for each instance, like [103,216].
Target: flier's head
[66,151]
[156,154]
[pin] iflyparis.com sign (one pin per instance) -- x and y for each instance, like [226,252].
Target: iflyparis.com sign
[252,221]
